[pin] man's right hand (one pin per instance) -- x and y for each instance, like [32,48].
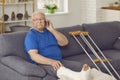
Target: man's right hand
[56,64]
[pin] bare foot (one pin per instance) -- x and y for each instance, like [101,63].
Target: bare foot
[85,67]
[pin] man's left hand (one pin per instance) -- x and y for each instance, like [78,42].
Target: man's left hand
[49,26]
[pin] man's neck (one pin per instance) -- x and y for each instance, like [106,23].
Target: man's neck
[39,30]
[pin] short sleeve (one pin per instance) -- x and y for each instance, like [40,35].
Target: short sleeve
[30,42]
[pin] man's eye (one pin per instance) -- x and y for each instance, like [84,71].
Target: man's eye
[38,19]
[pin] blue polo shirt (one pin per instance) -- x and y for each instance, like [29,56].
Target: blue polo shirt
[44,42]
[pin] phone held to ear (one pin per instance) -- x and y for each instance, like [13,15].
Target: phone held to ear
[47,23]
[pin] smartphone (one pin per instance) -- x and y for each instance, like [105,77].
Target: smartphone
[47,23]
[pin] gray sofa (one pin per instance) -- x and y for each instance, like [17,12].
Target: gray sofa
[14,64]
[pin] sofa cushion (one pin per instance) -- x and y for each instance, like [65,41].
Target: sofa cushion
[72,48]
[117,43]
[112,55]
[13,44]
[23,67]
[104,34]
[49,77]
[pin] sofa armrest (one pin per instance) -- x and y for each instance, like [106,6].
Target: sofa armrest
[23,67]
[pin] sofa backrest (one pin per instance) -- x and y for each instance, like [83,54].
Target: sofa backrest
[104,33]
[17,28]
[72,48]
[12,44]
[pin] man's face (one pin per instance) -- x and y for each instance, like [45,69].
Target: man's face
[38,21]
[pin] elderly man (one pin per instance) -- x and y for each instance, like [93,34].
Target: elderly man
[42,45]
[42,42]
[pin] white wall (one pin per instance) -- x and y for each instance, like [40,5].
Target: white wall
[88,11]
[80,11]
[72,18]
[106,15]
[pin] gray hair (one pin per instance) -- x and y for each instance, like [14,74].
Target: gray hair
[37,12]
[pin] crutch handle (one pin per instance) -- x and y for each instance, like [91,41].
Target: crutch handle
[85,33]
[74,33]
[97,60]
[78,33]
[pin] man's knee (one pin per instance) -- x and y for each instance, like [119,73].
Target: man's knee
[49,70]
[73,65]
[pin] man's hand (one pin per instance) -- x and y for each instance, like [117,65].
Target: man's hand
[56,64]
[49,26]
[61,39]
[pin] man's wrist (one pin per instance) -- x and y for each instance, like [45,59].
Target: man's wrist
[52,30]
[50,61]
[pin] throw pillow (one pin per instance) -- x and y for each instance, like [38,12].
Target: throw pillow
[117,44]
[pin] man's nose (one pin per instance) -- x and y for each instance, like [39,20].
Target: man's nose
[40,21]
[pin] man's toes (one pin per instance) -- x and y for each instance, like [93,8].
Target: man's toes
[85,67]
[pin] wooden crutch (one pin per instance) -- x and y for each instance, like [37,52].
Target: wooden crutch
[76,33]
[82,35]
[94,52]
[85,39]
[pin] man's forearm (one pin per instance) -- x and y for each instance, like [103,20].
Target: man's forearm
[62,40]
[41,59]
[44,60]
